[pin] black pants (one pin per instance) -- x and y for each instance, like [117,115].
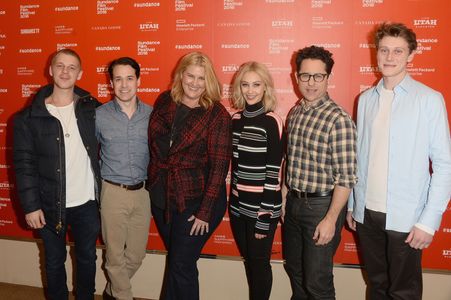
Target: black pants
[181,282]
[393,267]
[309,266]
[256,254]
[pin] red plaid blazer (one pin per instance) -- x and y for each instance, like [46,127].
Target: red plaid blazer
[198,162]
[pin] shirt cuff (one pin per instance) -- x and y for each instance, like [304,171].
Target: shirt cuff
[425,228]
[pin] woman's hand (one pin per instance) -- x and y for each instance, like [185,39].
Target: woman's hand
[199,227]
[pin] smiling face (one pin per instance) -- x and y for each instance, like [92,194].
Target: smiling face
[311,90]
[193,84]
[65,71]
[252,87]
[393,55]
[125,83]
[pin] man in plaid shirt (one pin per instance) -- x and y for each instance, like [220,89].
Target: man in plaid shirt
[320,173]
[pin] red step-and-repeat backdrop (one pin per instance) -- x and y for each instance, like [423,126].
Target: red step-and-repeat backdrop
[231,32]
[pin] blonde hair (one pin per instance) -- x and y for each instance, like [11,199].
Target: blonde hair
[269,98]
[212,92]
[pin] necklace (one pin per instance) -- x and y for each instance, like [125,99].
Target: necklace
[65,125]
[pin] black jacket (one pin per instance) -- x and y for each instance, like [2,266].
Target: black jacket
[39,156]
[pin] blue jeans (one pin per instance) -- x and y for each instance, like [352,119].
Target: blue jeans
[84,223]
[181,278]
[309,266]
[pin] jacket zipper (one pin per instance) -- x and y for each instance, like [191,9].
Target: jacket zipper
[59,226]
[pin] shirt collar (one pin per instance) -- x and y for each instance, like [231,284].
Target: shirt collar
[404,86]
[322,101]
[118,108]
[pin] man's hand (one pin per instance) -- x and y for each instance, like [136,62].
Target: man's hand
[199,227]
[419,239]
[324,231]
[350,220]
[35,219]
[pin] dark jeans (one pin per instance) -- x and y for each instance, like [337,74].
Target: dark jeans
[84,223]
[181,280]
[309,266]
[256,254]
[393,267]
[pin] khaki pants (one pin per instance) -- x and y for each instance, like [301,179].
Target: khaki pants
[125,219]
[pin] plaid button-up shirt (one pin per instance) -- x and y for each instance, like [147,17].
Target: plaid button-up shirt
[321,149]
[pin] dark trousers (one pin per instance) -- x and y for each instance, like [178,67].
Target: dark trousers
[256,254]
[181,280]
[393,267]
[309,266]
[84,223]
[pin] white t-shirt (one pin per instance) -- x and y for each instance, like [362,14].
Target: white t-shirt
[79,175]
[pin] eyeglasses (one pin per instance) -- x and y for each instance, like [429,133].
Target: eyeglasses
[317,77]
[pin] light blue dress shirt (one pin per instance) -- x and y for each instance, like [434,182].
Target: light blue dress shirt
[124,144]
[419,133]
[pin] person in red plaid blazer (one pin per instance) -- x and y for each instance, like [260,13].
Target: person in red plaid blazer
[190,148]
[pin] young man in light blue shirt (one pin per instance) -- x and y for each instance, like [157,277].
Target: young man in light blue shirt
[397,205]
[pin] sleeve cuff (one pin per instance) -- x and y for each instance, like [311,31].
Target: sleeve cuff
[425,228]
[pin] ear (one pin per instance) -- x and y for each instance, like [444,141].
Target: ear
[138,82]
[79,74]
[410,57]
[50,71]
[111,84]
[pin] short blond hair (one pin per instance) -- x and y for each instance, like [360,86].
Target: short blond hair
[269,97]
[212,92]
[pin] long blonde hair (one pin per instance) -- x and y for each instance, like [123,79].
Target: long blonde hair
[269,98]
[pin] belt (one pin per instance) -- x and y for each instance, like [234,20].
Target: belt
[303,195]
[132,187]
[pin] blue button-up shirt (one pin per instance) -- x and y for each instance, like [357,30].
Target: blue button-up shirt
[124,151]
[419,133]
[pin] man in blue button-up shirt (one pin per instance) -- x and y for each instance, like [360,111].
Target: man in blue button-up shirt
[121,128]
[397,204]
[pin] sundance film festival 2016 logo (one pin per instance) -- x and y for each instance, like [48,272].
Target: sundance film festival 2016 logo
[277,46]
[105,6]
[103,90]
[226,91]
[29,89]
[424,45]
[425,23]
[148,90]
[146,4]
[183,5]
[371,3]
[149,26]
[25,11]
[320,3]
[232,4]
[146,47]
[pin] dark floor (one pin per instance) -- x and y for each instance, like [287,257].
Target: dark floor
[23,292]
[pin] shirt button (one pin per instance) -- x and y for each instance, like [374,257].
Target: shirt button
[58,170]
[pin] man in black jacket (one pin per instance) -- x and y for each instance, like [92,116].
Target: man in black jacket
[57,173]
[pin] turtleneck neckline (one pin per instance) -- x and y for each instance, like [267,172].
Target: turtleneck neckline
[254,109]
